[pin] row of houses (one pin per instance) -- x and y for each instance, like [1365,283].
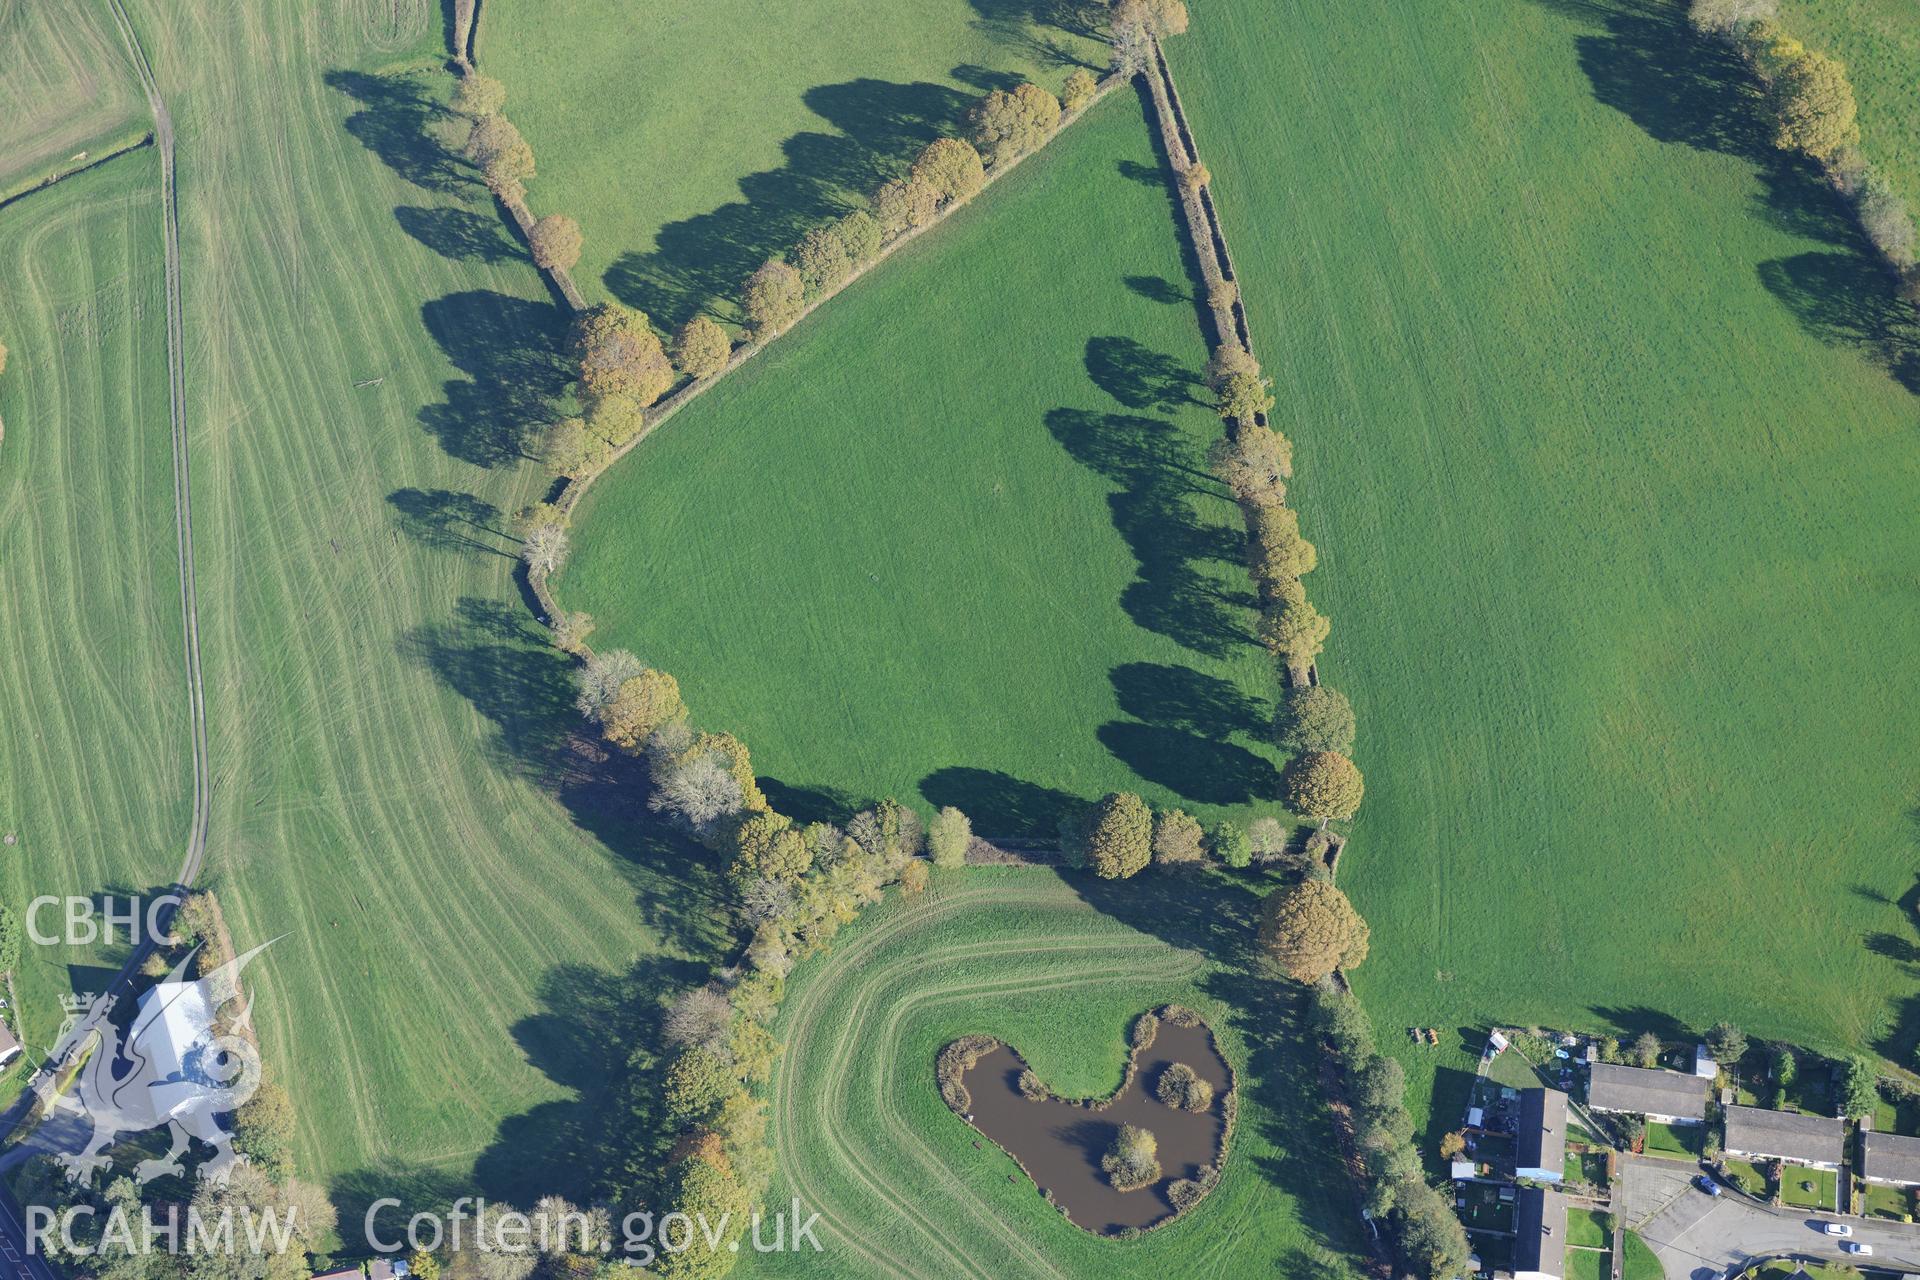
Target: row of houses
[1753,1133]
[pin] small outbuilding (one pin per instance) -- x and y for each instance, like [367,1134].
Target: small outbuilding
[1665,1097]
[1703,1064]
[1755,1133]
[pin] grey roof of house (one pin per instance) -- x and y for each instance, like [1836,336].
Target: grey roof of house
[1647,1092]
[1540,1232]
[1787,1134]
[1893,1156]
[1541,1140]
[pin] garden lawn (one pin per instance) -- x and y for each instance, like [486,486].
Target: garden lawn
[454,893]
[1673,1140]
[1589,1264]
[1641,1263]
[697,139]
[1598,440]
[1889,1202]
[68,89]
[1824,1194]
[1880,43]
[952,538]
[94,773]
[1059,966]
[1587,1227]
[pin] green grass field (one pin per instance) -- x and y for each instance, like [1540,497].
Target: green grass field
[1880,43]
[1058,966]
[94,781]
[734,125]
[468,907]
[952,538]
[67,90]
[1641,1263]
[1611,482]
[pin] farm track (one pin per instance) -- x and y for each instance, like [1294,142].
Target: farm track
[965,1237]
[182,478]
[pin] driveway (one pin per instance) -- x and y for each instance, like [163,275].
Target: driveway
[1696,1235]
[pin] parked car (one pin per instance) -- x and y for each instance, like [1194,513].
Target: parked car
[1854,1246]
[1837,1229]
[1707,1185]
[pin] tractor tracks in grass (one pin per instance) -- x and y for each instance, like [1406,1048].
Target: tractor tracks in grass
[196,848]
[883,997]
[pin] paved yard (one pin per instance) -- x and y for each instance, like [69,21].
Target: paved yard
[1696,1236]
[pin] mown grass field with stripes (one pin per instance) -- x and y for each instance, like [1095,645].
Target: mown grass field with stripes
[460,899]
[696,138]
[953,538]
[1058,965]
[94,785]
[67,89]
[1609,432]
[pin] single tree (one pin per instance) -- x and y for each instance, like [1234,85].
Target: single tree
[951,167]
[904,204]
[1079,89]
[1294,631]
[1007,124]
[700,1016]
[860,235]
[1254,462]
[477,96]
[1194,177]
[1244,396]
[822,260]
[1323,784]
[1816,107]
[1312,718]
[949,836]
[1862,1087]
[1309,929]
[914,876]
[1728,1044]
[643,704]
[1268,838]
[600,678]
[1646,1049]
[775,297]
[1178,840]
[1275,547]
[1156,17]
[1120,836]
[545,549]
[555,241]
[1228,843]
[619,354]
[1181,1088]
[1133,1161]
[701,348]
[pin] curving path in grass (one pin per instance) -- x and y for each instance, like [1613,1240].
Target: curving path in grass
[905,1188]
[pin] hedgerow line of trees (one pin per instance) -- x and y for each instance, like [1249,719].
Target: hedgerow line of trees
[1815,115]
[1309,931]
[505,160]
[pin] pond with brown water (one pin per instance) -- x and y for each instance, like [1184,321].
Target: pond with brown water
[1060,1143]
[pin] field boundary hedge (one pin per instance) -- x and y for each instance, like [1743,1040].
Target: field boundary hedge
[131,140]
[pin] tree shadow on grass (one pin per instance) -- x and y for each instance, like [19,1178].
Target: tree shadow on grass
[448,521]
[493,655]
[395,122]
[1182,698]
[1153,509]
[1848,300]
[699,261]
[1680,87]
[510,350]
[1216,914]
[460,234]
[1157,289]
[1138,376]
[999,804]
[1203,770]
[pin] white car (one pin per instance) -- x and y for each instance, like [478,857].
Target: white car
[1837,1229]
[1854,1246]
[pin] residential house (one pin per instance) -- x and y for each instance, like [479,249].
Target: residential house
[1890,1159]
[1540,1143]
[1665,1097]
[1755,1133]
[1540,1235]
